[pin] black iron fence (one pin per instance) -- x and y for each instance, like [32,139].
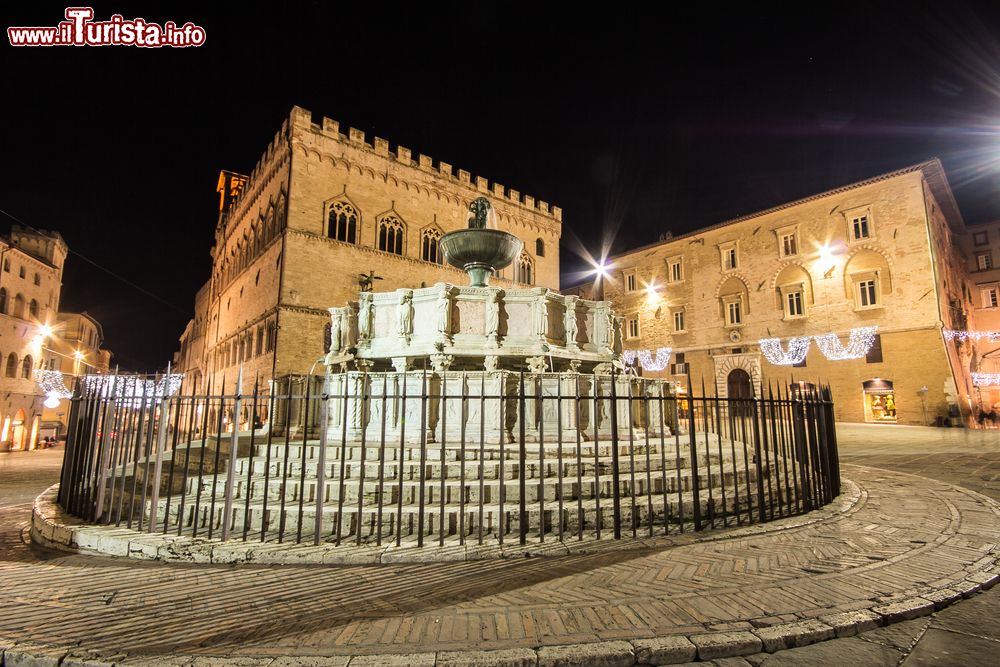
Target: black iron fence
[446,457]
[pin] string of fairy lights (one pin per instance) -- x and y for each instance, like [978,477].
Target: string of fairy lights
[859,344]
[129,390]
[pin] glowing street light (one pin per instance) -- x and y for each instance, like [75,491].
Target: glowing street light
[78,355]
[45,330]
[601,273]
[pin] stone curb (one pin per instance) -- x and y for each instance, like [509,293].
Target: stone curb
[53,528]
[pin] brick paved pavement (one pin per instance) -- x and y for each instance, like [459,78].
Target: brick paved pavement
[902,537]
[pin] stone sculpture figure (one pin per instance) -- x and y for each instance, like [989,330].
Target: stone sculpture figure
[479,211]
[404,315]
[336,327]
[444,314]
[541,317]
[569,323]
[365,316]
[492,317]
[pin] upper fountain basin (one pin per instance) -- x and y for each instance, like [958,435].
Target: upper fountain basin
[492,247]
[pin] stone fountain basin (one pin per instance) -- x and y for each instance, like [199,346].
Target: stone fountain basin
[492,247]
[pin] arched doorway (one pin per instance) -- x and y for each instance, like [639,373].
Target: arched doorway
[18,430]
[738,386]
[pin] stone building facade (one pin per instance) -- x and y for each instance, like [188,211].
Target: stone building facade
[75,348]
[881,252]
[981,252]
[30,285]
[321,207]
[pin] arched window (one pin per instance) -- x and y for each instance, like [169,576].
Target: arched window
[260,341]
[38,279]
[18,306]
[3,300]
[390,235]
[429,249]
[11,371]
[539,248]
[342,223]
[33,309]
[280,213]
[523,270]
[26,368]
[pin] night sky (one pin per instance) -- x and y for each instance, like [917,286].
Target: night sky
[635,123]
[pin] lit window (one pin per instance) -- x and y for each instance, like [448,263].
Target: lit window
[676,271]
[860,227]
[734,313]
[679,320]
[390,235]
[630,282]
[632,330]
[984,261]
[793,303]
[789,245]
[867,293]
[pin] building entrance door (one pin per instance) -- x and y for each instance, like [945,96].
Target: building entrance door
[738,387]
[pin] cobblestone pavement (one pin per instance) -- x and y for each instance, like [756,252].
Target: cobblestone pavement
[904,534]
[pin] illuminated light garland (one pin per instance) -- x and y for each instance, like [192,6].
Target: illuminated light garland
[858,345]
[657,364]
[985,379]
[962,335]
[797,349]
[646,359]
[52,383]
[127,389]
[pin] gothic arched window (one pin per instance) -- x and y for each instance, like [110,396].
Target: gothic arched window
[3,300]
[430,251]
[26,368]
[524,270]
[18,306]
[33,309]
[11,370]
[342,223]
[390,235]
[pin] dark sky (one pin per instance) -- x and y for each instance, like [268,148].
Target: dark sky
[628,119]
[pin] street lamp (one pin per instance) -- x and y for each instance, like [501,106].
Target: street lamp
[601,273]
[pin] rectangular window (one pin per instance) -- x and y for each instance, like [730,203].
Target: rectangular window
[981,238]
[633,327]
[733,315]
[860,227]
[629,282]
[874,355]
[678,320]
[730,259]
[789,245]
[793,301]
[866,293]
[984,261]
[990,297]
[676,272]
[679,367]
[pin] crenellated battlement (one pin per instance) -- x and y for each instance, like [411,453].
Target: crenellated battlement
[303,118]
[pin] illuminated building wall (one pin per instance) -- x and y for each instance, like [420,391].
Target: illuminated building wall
[880,252]
[31,266]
